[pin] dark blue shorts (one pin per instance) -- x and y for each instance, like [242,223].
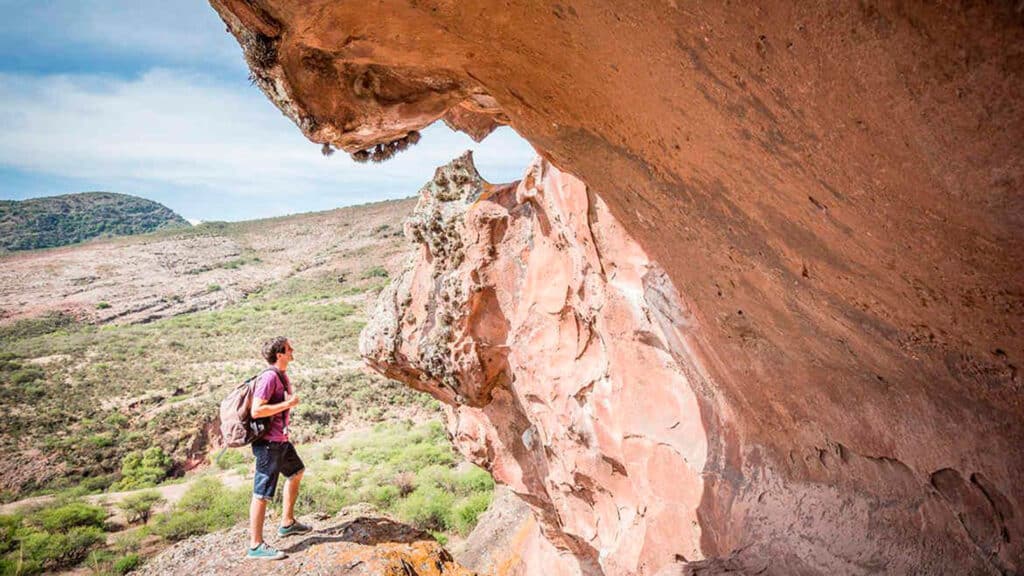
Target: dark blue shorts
[273,458]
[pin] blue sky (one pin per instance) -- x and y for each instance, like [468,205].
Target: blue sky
[152,98]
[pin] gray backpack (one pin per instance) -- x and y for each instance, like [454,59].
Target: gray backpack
[237,426]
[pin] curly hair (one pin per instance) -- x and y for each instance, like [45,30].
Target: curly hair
[273,347]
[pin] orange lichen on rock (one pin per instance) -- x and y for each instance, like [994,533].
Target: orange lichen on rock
[350,544]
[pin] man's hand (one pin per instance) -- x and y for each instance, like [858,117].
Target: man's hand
[292,400]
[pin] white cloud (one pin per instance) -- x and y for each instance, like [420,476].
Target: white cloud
[182,32]
[208,149]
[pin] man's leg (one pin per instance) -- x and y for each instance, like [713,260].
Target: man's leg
[257,512]
[291,493]
[264,483]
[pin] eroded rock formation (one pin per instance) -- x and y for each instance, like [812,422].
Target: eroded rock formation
[833,190]
[550,334]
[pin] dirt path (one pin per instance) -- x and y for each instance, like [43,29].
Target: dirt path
[170,492]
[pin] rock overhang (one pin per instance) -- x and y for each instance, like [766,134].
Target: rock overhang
[835,190]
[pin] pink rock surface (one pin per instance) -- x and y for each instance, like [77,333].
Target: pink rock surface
[567,361]
[535,317]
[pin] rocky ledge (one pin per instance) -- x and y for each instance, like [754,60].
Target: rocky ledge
[350,544]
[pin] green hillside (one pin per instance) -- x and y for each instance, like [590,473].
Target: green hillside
[73,218]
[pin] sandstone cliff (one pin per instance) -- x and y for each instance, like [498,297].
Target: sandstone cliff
[818,208]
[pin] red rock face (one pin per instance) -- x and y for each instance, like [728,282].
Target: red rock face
[548,331]
[833,190]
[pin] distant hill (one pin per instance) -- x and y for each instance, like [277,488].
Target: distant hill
[73,218]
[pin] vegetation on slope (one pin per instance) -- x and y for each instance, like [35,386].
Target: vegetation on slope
[400,469]
[73,218]
[91,409]
[79,399]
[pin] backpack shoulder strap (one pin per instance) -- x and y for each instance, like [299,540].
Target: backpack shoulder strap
[280,377]
[255,379]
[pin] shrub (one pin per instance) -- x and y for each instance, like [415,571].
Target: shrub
[323,497]
[384,496]
[474,480]
[116,420]
[144,469]
[421,455]
[126,564]
[174,526]
[427,508]
[206,507]
[9,526]
[103,305]
[468,511]
[232,458]
[405,482]
[64,517]
[137,507]
[376,272]
[43,550]
[102,440]
[31,327]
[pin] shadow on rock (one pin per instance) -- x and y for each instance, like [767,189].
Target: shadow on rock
[365,530]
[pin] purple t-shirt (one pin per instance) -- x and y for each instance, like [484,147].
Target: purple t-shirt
[270,388]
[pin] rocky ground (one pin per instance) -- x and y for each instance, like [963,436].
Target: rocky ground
[355,542]
[359,541]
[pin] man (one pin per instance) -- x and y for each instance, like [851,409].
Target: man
[273,398]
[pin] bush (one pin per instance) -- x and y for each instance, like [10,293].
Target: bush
[427,508]
[102,305]
[176,527]
[232,458]
[26,376]
[43,550]
[376,272]
[324,497]
[67,516]
[437,476]
[144,469]
[137,507]
[474,480]
[421,455]
[206,507]
[126,564]
[468,511]
[384,496]
[405,482]
[9,526]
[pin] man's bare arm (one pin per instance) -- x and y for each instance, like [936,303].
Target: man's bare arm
[260,408]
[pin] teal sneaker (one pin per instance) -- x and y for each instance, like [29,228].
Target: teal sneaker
[293,528]
[264,552]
